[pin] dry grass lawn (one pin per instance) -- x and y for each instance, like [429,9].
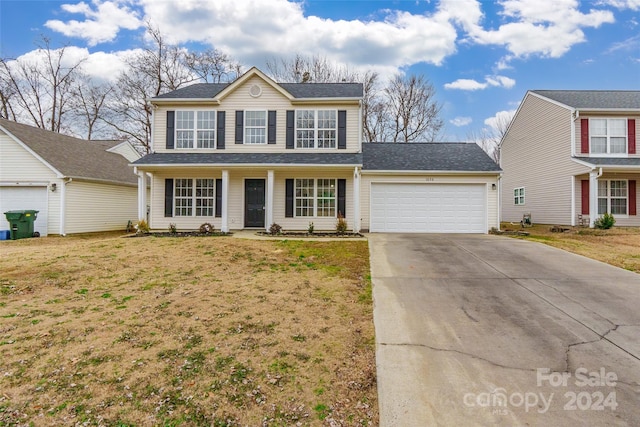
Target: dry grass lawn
[619,246]
[113,331]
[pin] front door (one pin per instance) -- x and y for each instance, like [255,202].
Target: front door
[254,203]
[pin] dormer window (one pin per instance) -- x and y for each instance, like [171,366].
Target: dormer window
[195,129]
[608,136]
[316,128]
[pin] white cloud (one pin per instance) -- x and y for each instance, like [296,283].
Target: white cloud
[622,4]
[461,121]
[490,81]
[102,22]
[499,122]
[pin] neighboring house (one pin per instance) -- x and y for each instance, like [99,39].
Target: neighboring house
[570,156]
[76,185]
[254,152]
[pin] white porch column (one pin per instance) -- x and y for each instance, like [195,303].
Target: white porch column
[593,197]
[356,200]
[225,202]
[142,195]
[268,217]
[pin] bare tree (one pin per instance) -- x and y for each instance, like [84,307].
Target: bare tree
[212,66]
[88,106]
[40,90]
[310,69]
[414,114]
[490,138]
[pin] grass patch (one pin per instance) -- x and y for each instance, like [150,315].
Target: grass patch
[253,333]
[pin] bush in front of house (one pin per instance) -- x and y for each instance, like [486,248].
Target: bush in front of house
[605,222]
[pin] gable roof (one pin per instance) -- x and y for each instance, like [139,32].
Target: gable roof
[294,90]
[433,156]
[73,157]
[594,99]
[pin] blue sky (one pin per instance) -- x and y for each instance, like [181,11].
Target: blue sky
[481,56]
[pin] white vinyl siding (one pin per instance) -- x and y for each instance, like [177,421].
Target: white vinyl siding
[92,207]
[536,154]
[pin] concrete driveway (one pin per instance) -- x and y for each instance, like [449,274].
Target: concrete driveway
[488,330]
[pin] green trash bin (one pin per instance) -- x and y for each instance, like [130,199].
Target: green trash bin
[21,223]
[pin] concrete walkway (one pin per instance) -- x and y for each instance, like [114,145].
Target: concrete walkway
[487,330]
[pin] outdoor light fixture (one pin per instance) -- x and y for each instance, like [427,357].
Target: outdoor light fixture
[53,187]
[493,186]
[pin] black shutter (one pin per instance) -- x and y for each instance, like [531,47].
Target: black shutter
[239,126]
[271,130]
[288,210]
[218,198]
[171,117]
[342,197]
[168,197]
[290,128]
[220,130]
[342,129]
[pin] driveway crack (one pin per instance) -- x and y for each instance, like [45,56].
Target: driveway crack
[449,350]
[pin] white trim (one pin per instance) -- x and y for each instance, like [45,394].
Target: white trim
[244,127]
[248,165]
[269,201]
[427,172]
[593,165]
[225,202]
[23,184]
[608,137]
[195,128]
[63,202]
[573,201]
[356,201]
[315,129]
[574,117]
[115,147]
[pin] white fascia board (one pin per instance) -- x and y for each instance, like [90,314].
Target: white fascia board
[184,100]
[102,181]
[608,167]
[243,165]
[350,101]
[428,172]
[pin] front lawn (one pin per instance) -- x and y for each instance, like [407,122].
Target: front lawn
[619,246]
[106,330]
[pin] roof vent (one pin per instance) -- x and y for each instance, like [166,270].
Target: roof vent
[255,90]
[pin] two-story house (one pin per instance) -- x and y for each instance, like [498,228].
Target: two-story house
[569,156]
[255,152]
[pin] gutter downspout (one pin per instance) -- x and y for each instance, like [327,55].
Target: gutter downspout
[63,203]
[593,195]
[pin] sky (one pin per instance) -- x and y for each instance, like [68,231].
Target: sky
[481,56]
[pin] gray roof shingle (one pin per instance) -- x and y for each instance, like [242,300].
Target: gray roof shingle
[74,157]
[297,90]
[345,159]
[594,99]
[435,156]
[611,161]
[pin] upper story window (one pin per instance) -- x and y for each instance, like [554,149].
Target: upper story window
[608,136]
[255,127]
[195,129]
[316,128]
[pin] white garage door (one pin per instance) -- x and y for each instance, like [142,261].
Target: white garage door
[428,208]
[21,198]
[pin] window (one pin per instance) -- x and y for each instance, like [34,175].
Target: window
[315,197]
[316,128]
[195,127]
[203,198]
[518,196]
[255,127]
[608,136]
[612,197]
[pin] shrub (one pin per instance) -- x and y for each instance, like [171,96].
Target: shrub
[310,228]
[172,228]
[605,222]
[206,228]
[341,224]
[275,229]
[142,227]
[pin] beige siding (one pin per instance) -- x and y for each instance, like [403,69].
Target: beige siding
[578,129]
[536,155]
[235,207]
[240,99]
[621,220]
[127,151]
[369,178]
[94,207]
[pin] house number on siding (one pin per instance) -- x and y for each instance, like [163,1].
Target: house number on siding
[429,179]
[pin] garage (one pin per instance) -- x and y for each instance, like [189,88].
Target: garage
[21,198]
[428,208]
